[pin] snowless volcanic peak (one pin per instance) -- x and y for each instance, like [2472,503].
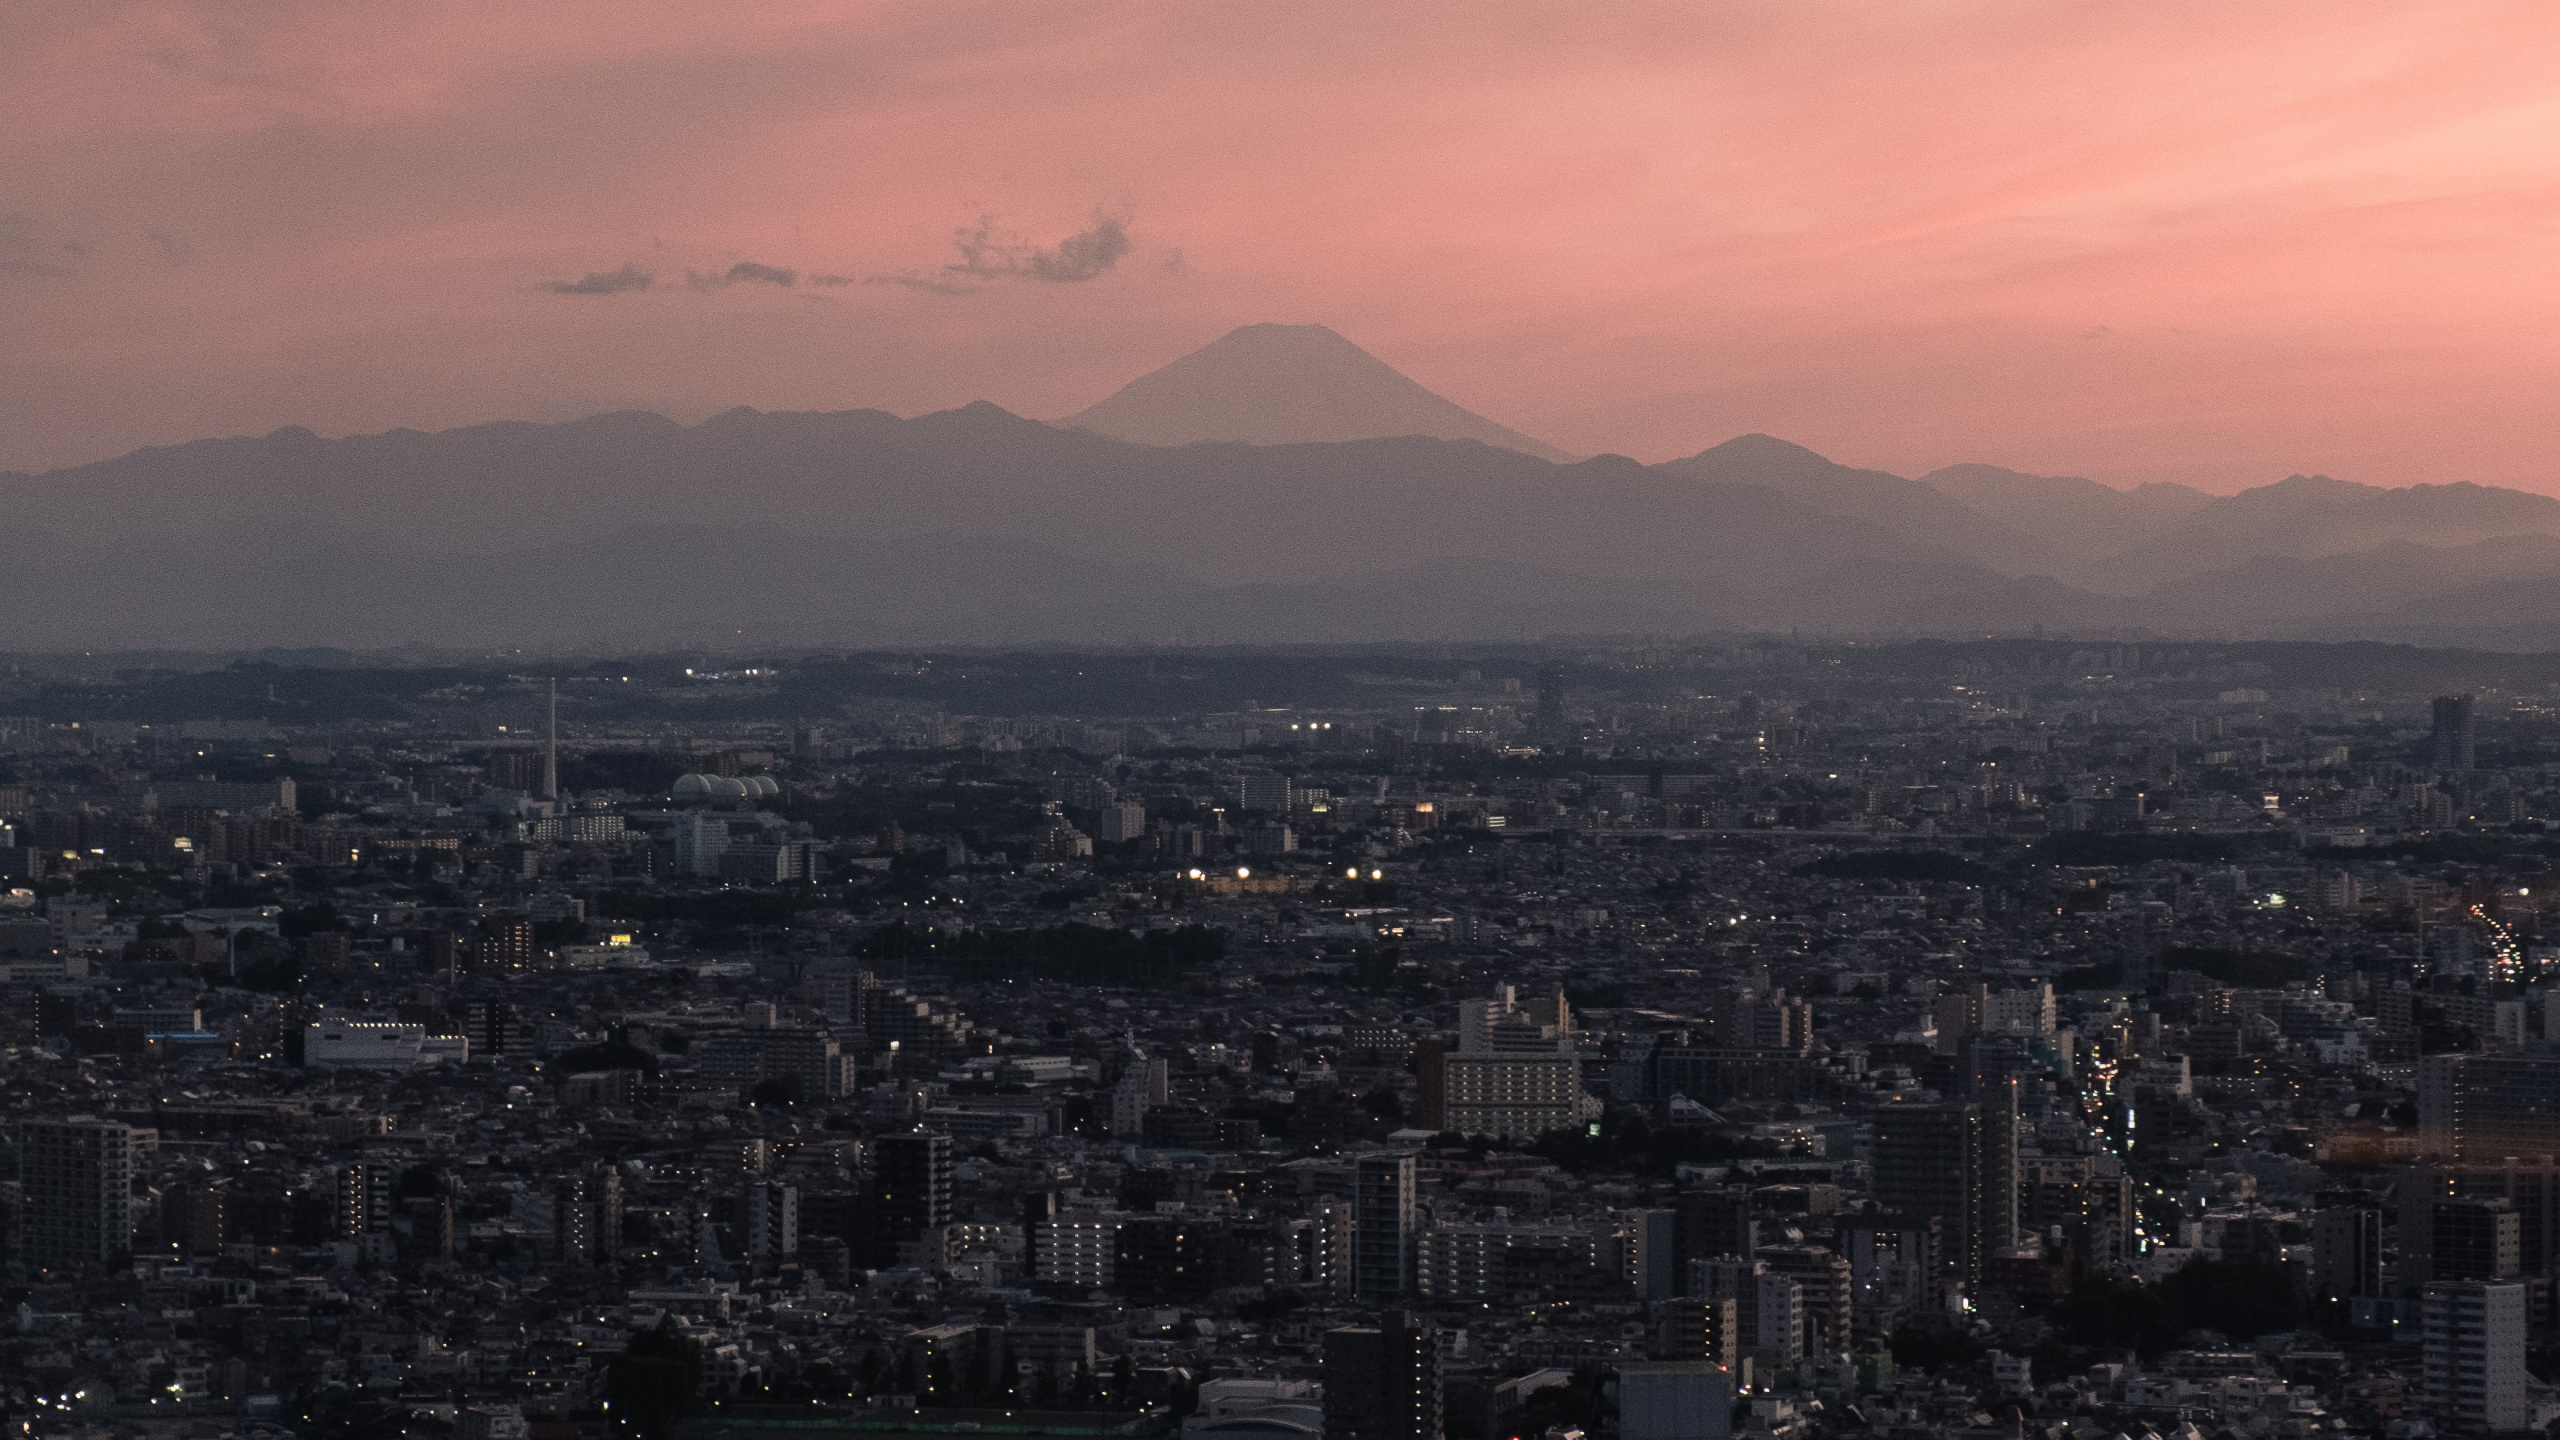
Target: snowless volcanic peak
[1288,385]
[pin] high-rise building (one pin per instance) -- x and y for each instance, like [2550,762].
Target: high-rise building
[1550,727]
[1122,820]
[1657,1254]
[1514,1076]
[910,1191]
[1822,1275]
[2472,1240]
[364,1199]
[1145,1085]
[2452,738]
[194,1218]
[1711,1223]
[2346,1251]
[805,1057]
[1264,791]
[506,942]
[586,1217]
[1956,1162]
[1769,1308]
[77,1176]
[701,838]
[1695,1328]
[1382,1383]
[1894,1268]
[769,1221]
[2482,1107]
[1382,1227]
[2473,1376]
[2530,1184]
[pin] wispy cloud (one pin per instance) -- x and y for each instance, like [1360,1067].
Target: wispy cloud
[988,256]
[604,282]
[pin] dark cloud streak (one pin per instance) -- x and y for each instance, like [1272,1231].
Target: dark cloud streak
[604,282]
[745,272]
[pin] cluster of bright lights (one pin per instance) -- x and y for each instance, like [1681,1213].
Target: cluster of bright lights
[2506,955]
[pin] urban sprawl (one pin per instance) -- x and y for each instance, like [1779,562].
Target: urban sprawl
[1777,1038]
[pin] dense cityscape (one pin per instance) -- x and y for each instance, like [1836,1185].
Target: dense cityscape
[1774,1037]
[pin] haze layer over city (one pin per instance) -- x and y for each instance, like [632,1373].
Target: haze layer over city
[1497,722]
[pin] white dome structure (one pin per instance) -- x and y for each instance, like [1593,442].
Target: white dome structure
[697,788]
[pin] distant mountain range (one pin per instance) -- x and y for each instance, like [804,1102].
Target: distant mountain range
[1288,385]
[1280,485]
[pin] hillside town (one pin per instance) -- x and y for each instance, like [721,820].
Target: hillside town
[2032,1038]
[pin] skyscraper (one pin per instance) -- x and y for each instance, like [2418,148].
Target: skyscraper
[1550,723]
[551,747]
[910,1191]
[78,1178]
[2451,737]
[1957,1162]
[1382,1227]
[1383,1383]
[2474,1374]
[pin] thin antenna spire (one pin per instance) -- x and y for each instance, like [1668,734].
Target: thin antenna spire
[551,753]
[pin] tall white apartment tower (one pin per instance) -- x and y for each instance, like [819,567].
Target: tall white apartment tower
[2474,1377]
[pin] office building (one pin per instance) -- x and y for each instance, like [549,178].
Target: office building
[195,1218]
[1657,1254]
[1122,821]
[77,1176]
[1145,1085]
[1383,1382]
[1956,1162]
[2483,1107]
[769,1221]
[2453,735]
[910,1191]
[2471,1239]
[2346,1251]
[1382,1228]
[2473,1376]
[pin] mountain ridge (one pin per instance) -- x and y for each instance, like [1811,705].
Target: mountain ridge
[980,525]
[1268,384]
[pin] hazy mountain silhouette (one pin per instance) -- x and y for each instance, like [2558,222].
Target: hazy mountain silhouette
[2072,520]
[1287,385]
[976,526]
[1872,497]
[2306,516]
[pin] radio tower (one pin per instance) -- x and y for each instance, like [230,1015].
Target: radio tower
[551,751]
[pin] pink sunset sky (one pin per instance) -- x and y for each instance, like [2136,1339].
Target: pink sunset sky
[2206,242]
